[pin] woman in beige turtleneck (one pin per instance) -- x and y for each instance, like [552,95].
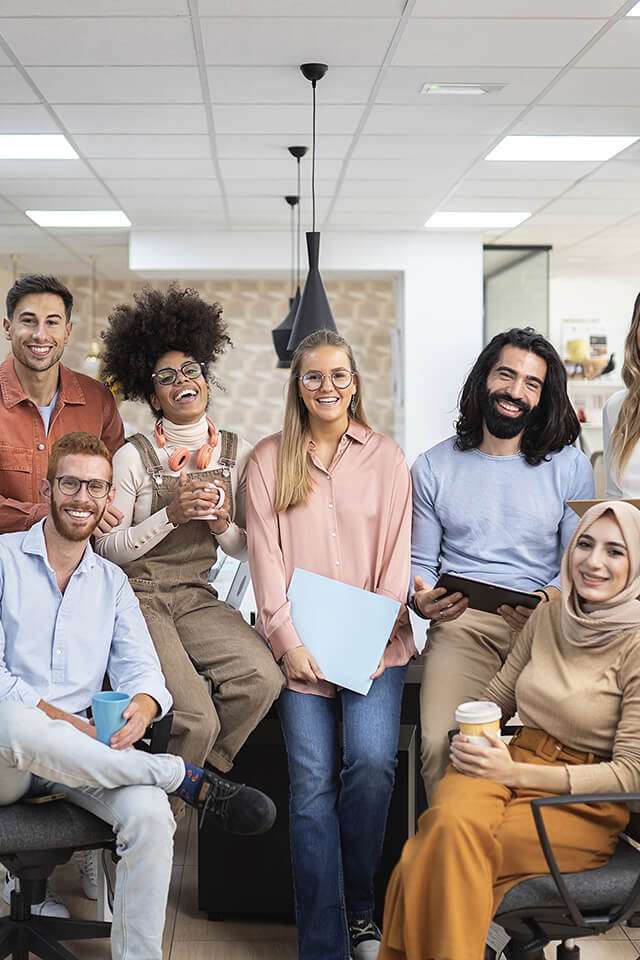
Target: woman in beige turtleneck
[181,489]
[574,677]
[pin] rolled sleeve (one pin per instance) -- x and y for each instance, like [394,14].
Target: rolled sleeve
[133,665]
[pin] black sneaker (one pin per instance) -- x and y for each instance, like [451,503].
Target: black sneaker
[365,939]
[235,807]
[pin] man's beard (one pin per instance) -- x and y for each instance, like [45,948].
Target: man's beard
[69,531]
[498,424]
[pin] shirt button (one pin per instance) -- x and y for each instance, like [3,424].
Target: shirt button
[330,506]
[337,563]
[41,446]
[59,652]
[333,533]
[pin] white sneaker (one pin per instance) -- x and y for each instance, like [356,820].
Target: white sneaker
[49,907]
[87,863]
[365,940]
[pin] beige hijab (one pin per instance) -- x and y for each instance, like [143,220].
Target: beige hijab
[594,624]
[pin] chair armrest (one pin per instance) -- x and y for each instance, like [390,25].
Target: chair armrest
[156,736]
[567,800]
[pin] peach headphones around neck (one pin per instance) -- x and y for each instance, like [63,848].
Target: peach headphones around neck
[179,457]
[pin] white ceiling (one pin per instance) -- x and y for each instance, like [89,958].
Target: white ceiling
[181,112]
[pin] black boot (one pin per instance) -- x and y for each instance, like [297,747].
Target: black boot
[235,807]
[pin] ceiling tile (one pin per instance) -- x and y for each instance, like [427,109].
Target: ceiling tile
[606,189]
[10,218]
[118,84]
[282,85]
[150,168]
[551,215]
[515,8]
[28,201]
[632,152]
[580,121]
[274,146]
[269,119]
[94,146]
[89,8]
[593,88]
[618,48]
[48,187]
[494,43]
[376,204]
[129,118]
[170,206]
[260,41]
[107,41]
[433,149]
[187,218]
[26,118]
[273,205]
[403,84]
[386,189]
[618,170]
[572,204]
[165,188]
[71,169]
[407,168]
[444,118]
[278,187]
[379,221]
[246,168]
[512,188]
[301,8]
[13,87]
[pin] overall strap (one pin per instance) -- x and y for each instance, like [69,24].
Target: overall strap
[148,456]
[229,449]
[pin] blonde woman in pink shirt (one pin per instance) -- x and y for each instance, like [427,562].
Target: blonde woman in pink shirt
[330,495]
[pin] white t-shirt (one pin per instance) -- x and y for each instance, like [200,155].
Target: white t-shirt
[627,484]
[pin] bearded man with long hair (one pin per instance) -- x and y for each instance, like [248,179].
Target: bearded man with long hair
[491,503]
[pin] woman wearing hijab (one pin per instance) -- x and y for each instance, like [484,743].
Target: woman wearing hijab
[574,678]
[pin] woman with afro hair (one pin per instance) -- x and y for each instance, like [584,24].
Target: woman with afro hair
[181,489]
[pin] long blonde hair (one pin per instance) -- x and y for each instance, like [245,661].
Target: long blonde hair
[293,477]
[626,432]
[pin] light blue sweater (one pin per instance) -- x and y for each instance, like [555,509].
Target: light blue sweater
[495,518]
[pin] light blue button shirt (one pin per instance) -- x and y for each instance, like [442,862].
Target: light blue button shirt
[58,647]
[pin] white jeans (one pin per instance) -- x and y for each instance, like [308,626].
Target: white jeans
[127,789]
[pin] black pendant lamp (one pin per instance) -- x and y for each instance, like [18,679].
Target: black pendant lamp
[314,312]
[282,332]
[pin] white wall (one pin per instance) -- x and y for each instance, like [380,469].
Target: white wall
[439,296]
[596,296]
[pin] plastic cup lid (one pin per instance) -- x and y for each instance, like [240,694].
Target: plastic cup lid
[478,711]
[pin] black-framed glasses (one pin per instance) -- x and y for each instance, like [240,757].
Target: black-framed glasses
[97,489]
[191,369]
[313,380]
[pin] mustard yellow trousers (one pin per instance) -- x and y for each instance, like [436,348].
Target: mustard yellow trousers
[476,841]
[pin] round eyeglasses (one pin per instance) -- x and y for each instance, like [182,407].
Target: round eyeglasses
[191,369]
[313,380]
[97,489]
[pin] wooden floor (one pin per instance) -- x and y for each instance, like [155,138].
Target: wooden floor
[189,935]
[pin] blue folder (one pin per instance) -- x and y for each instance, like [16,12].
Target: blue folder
[345,628]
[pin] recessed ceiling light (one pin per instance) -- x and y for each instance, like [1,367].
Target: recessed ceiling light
[79,218]
[635,11]
[35,146]
[475,220]
[461,89]
[552,149]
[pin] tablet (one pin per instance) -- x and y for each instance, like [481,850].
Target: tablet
[487,596]
[581,506]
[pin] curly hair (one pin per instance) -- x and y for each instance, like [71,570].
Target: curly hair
[555,424]
[155,323]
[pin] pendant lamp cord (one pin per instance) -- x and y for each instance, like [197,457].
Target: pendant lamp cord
[293,252]
[313,159]
[299,205]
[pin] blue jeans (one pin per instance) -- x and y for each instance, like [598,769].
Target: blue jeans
[338,816]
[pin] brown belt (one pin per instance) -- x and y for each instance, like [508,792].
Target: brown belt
[547,747]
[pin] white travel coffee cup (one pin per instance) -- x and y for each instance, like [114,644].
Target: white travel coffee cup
[221,499]
[477,716]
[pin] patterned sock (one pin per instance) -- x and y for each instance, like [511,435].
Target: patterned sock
[189,789]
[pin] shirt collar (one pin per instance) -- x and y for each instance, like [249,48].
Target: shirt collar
[12,392]
[355,431]
[35,545]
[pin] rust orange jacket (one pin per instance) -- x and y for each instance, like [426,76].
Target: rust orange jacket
[82,404]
